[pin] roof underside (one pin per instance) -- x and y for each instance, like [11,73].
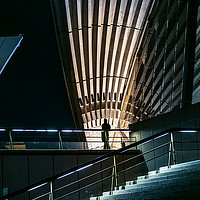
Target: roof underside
[103,38]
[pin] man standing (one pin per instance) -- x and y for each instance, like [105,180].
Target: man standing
[105,134]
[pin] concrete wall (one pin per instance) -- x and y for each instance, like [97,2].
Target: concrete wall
[188,117]
[21,168]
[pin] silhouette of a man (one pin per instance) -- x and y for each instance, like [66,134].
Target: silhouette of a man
[105,134]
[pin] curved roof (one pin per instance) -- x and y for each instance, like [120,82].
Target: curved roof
[98,41]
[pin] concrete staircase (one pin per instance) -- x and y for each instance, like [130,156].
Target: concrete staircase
[181,181]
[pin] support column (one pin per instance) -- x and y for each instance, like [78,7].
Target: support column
[188,73]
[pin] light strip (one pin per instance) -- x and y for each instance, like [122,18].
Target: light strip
[17,130]
[83,168]
[101,160]
[2,129]
[188,131]
[161,136]
[144,143]
[41,130]
[52,130]
[65,175]
[91,131]
[78,131]
[66,131]
[37,187]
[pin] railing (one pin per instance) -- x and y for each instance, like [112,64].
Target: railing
[62,139]
[166,145]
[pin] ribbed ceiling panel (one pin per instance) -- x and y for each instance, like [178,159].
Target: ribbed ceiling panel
[103,38]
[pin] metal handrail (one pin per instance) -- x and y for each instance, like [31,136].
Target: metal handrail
[92,162]
[58,138]
[43,195]
[112,176]
[142,154]
[79,180]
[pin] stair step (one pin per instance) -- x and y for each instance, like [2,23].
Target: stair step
[177,169]
[121,187]
[106,193]
[191,163]
[131,182]
[175,182]
[156,193]
[153,172]
[160,183]
[169,174]
[142,177]
[164,178]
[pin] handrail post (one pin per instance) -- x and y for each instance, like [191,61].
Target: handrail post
[115,166]
[173,149]
[51,191]
[112,182]
[169,157]
[114,175]
[60,140]
[11,141]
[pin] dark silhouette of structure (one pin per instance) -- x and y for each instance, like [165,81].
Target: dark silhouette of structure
[105,134]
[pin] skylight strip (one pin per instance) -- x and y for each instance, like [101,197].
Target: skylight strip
[82,61]
[122,12]
[115,51]
[68,15]
[80,35]
[90,24]
[132,12]
[131,50]
[78,87]
[142,13]
[112,10]
[74,57]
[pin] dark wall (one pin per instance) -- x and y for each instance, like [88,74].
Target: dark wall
[19,169]
[188,117]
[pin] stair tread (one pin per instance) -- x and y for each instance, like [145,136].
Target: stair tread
[181,177]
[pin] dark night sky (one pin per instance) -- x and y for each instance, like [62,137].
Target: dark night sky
[32,88]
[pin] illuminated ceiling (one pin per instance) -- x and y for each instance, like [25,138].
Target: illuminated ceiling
[103,38]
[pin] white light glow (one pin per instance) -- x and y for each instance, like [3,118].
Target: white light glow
[17,130]
[52,130]
[66,131]
[188,131]
[41,130]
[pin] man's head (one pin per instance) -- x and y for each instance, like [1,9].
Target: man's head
[105,121]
